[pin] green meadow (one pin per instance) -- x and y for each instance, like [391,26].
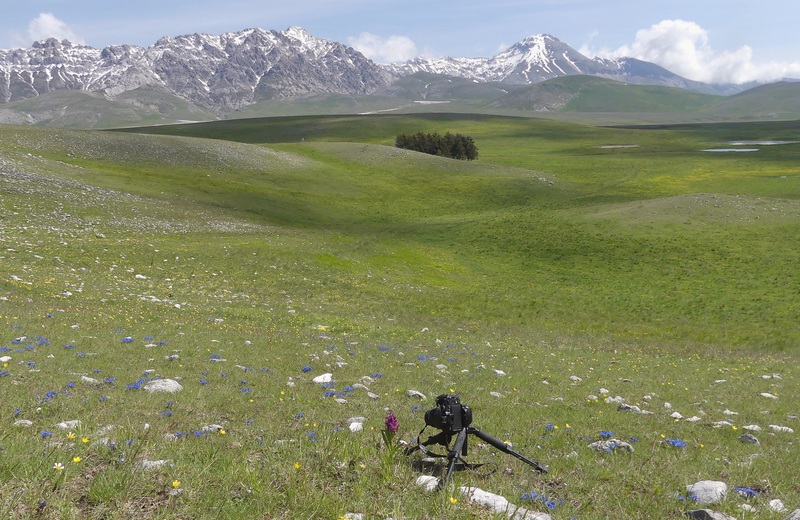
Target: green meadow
[568,266]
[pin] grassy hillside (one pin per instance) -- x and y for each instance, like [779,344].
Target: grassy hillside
[567,266]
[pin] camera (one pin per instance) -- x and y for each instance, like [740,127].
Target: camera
[449,415]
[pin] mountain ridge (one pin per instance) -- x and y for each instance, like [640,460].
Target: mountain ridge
[213,76]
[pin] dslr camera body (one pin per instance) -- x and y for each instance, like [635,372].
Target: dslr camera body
[449,415]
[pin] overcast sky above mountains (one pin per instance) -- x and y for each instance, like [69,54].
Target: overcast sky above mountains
[713,41]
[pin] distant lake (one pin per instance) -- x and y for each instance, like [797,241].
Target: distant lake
[730,150]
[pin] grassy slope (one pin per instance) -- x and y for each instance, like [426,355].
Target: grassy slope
[327,252]
[534,252]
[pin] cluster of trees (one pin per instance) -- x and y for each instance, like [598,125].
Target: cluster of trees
[455,146]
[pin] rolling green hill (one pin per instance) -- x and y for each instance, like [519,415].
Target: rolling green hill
[513,238]
[243,259]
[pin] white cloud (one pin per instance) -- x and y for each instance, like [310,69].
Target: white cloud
[46,25]
[384,50]
[684,48]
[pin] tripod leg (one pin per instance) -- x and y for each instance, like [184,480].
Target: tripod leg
[502,446]
[453,455]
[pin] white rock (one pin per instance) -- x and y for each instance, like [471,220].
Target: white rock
[427,482]
[667,406]
[68,425]
[794,515]
[499,372]
[676,415]
[340,400]
[373,395]
[153,464]
[603,391]
[23,422]
[708,491]
[499,505]
[441,367]
[610,445]
[575,379]
[748,508]
[90,380]
[752,428]
[414,393]
[356,427]
[728,412]
[693,418]
[784,429]
[768,395]
[211,428]
[5,359]
[495,394]
[323,378]
[776,504]
[169,386]
[720,424]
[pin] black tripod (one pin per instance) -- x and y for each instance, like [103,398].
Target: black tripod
[460,449]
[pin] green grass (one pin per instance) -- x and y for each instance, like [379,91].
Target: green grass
[660,273]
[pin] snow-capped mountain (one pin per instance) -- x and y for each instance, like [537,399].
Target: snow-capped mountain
[542,57]
[221,72]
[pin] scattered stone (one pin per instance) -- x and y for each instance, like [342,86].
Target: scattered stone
[728,412]
[749,439]
[794,515]
[784,429]
[676,415]
[211,428]
[23,422]
[354,516]
[708,514]
[68,425]
[603,391]
[496,394]
[721,424]
[633,409]
[668,406]
[615,400]
[500,505]
[323,378]
[610,445]
[414,393]
[356,427]
[776,504]
[768,395]
[575,379]
[5,359]
[340,400]
[90,380]
[748,508]
[427,482]
[499,372]
[693,418]
[152,464]
[373,396]
[752,428]
[169,386]
[708,491]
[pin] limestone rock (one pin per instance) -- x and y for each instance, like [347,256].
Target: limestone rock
[169,386]
[708,491]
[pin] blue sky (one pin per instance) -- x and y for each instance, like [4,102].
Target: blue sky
[707,40]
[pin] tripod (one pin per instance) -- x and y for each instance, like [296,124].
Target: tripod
[460,449]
